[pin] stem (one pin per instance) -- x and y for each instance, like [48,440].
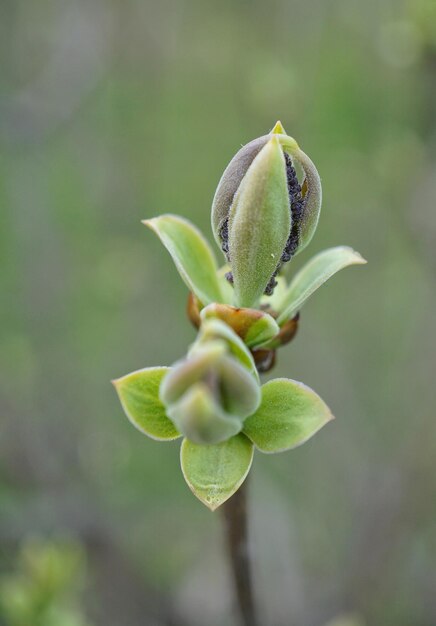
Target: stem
[235,518]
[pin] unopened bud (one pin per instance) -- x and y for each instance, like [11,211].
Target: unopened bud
[261,215]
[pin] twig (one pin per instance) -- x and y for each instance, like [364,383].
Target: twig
[235,517]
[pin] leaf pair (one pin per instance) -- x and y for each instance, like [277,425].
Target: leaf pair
[209,393]
[289,414]
[197,266]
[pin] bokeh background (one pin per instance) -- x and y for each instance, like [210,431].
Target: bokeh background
[113,111]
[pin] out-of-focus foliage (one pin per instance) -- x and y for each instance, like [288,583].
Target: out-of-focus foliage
[346,620]
[44,588]
[112,112]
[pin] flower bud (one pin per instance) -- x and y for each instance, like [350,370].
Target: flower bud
[261,215]
[210,393]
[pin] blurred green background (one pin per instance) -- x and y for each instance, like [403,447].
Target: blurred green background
[111,112]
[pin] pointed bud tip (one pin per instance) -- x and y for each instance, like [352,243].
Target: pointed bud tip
[273,145]
[278,129]
[358,259]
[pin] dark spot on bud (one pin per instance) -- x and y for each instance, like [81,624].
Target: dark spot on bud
[269,289]
[296,203]
[224,237]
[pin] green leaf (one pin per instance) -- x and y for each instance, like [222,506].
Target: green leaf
[233,384]
[200,418]
[215,472]
[265,329]
[230,181]
[191,370]
[259,224]
[289,414]
[214,328]
[192,255]
[139,396]
[253,326]
[319,269]
[312,192]
[239,390]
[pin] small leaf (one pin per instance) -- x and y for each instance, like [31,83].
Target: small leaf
[289,414]
[191,370]
[259,224]
[253,326]
[288,330]
[200,418]
[139,396]
[215,472]
[192,255]
[312,192]
[215,328]
[316,272]
[230,181]
[240,391]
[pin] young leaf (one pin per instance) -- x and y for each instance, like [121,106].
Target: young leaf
[213,328]
[253,326]
[192,255]
[191,370]
[239,390]
[312,198]
[201,419]
[259,224]
[289,414]
[233,385]
[215,472]
[319,269]
[139,396]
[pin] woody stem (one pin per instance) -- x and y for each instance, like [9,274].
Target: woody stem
[236,523]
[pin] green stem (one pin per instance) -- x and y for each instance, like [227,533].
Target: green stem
[236,521]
